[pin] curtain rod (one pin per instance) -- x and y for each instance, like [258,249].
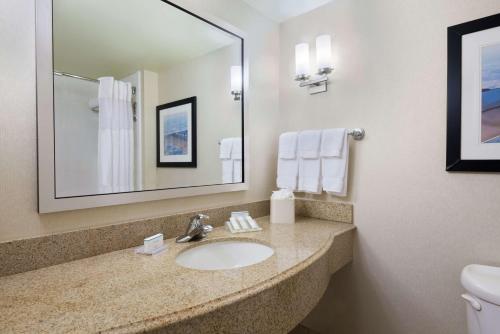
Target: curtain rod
[74,76]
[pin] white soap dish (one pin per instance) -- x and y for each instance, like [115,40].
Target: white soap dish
[242,224]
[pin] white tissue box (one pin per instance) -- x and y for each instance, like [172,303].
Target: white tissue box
[283,211]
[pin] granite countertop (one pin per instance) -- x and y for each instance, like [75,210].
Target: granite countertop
[122,292]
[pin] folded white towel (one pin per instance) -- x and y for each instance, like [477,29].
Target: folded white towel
[288,145]
[227,171]
[335,171]
[237,171]
[310,175]
[332,142]
[309,144]
[309,161]
[288,171]
[236,152]
[226,146]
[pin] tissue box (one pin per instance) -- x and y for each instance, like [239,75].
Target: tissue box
[282,208]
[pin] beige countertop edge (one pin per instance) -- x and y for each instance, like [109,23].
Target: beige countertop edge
[201,309]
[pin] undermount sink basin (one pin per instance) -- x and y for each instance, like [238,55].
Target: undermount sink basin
[224,255]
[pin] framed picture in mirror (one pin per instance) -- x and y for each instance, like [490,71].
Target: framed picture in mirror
[176,134]
[473,129]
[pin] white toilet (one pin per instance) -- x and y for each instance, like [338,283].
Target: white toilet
[483,298]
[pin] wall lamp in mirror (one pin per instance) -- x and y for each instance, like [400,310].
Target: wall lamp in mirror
[236,82]
[324,64]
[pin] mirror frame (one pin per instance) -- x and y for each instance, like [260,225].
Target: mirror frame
[47,200]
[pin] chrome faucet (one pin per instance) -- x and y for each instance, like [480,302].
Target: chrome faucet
[196,229]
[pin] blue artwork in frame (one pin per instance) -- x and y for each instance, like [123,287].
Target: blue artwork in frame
[473,101]
[176,134]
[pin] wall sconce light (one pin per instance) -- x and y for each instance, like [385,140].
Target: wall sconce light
[236,82]
[318,84]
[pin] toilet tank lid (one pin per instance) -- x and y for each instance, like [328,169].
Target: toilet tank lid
[482,281]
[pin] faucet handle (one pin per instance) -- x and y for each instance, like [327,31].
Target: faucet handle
[202,217]
[199,219]
[196,229]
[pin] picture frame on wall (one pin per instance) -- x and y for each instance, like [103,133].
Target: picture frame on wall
[473,102]
[176,134]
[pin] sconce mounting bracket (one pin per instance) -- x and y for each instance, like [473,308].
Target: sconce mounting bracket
[316,85]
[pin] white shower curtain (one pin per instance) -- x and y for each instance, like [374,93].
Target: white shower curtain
[116,136]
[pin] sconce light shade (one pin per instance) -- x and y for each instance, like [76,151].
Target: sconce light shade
[302,67]
[324,54]
[236,82]
[235,78]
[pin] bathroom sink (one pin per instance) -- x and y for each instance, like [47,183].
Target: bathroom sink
[224,255]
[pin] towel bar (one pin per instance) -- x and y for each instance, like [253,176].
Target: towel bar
[357,133]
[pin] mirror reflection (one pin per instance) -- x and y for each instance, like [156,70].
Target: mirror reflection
[146,96]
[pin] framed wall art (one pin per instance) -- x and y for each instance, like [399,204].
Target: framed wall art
[473,129]
[176,134]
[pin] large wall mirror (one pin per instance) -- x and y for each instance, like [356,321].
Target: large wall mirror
[137,100]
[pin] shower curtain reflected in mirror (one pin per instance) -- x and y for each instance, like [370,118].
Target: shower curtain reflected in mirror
[115,136]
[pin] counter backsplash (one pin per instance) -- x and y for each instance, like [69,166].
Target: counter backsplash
[29,254]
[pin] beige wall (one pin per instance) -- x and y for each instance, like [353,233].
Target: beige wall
[150,101]
[18,179]
[218,116]
[417,225]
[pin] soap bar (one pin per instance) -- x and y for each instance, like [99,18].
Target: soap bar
[252,222]
[234,224]
[153,242]
[243,222]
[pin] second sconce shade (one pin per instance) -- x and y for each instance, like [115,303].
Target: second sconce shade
[324,54]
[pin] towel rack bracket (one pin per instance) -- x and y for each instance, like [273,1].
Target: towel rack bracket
[357,133]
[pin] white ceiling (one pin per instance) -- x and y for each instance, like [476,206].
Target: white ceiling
[96,38]
[281,10]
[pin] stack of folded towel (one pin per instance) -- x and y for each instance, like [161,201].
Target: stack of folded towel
[230,154]
[287,161]
[334,161]
[314,160]
[236,156]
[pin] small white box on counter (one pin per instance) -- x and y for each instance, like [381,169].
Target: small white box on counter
[282,207]
[152,245]
[153,242]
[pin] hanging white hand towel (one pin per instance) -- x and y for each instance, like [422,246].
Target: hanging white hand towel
[288,171]
[309,144]
[236,156]
[288,166]
[236,151]
[288,145]
[332,142]
[335,170]
[309,161]
[225,149]
[227,171]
